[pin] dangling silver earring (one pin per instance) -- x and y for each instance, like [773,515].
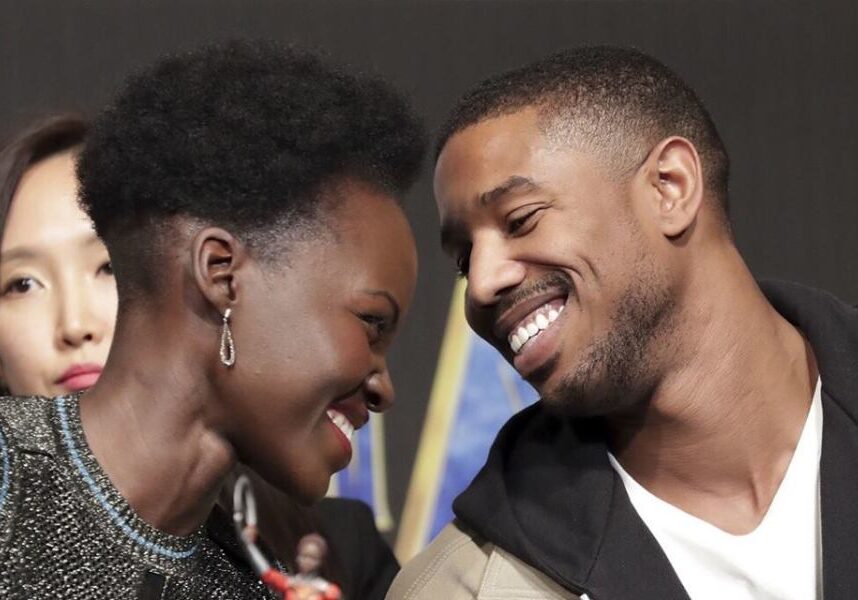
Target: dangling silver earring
[227,346]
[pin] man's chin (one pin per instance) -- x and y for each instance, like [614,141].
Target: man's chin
[542,378]
[579,394]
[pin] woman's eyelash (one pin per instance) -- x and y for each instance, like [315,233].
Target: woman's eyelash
[377,322]
[107,267]
[17,283]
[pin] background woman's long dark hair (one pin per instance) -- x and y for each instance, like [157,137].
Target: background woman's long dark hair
[39,141]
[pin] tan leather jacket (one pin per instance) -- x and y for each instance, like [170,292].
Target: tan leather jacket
[457,567]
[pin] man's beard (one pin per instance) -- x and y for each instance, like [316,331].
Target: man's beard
[616,372]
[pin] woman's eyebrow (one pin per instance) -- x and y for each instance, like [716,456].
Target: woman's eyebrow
[30,252]
[19,252]
[389,297]
[92,239]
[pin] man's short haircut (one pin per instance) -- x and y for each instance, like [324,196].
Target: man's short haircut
[248,136]
[617,102]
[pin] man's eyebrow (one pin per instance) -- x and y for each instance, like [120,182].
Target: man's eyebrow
[516,183]
[451,229]
[389,297]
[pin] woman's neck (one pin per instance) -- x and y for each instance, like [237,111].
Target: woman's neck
[148,422]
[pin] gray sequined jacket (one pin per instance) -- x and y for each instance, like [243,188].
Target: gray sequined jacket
[66,532]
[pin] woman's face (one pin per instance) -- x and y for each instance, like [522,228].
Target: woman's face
[57,294]
[311,332]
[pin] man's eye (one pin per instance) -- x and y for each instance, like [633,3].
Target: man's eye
[463,263]
[516,225]
[20,285]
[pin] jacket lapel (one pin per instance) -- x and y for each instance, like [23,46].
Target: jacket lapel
[839,502]
[631,563]
[557,504]
[831,327]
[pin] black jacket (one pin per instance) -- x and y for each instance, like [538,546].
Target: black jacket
[548,494]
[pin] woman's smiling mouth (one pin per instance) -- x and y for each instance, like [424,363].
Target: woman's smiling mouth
[347,416]
[342,423]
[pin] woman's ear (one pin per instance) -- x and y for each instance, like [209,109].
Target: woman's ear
[674,183]
[217,256]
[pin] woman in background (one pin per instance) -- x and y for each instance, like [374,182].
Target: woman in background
[57,293]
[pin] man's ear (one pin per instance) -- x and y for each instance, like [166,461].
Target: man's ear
[674,182]
[217,255]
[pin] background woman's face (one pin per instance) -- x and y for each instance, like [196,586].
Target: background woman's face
[312,334]
[57,293]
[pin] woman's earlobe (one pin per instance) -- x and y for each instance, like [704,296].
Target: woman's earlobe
[216,257]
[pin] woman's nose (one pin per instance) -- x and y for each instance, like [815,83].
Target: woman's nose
[379,389]
[78,323]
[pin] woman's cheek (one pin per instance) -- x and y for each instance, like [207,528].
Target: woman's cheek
[26,358]
[347,357]
[17,370]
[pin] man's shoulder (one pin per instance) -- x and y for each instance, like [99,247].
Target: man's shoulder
[459,566]
[451,567]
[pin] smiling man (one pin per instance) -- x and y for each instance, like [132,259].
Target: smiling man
[677,451]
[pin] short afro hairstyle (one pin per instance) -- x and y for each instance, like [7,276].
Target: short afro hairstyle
[246,135]
[615,101]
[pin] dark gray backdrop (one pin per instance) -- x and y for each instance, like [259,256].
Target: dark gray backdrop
[779,78]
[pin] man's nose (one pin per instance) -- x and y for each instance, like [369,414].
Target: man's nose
[491,272]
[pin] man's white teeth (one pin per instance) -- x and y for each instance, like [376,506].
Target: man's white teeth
[342,422]
[540,320]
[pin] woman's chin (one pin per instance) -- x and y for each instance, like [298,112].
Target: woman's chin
[304,490]
[310,494]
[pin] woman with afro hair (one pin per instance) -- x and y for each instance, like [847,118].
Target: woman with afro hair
[247,195]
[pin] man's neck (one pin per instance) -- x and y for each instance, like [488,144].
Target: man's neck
[719,431]
[148,424]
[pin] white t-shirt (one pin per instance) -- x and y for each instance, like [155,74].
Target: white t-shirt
[781,559]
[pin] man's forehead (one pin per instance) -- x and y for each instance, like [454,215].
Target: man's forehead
[484,156]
